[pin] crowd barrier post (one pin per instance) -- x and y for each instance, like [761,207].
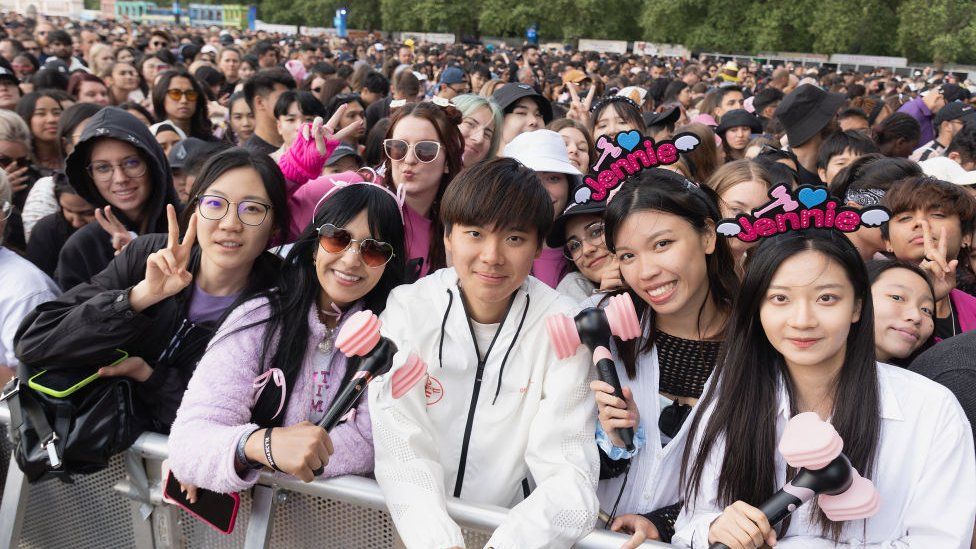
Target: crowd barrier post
[14,504]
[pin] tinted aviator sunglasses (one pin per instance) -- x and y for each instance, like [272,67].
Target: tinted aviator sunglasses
[425,151]
[176,95]
[336,240]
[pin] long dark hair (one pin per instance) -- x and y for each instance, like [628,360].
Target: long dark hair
[287,331]
[668,192]
[445,121]
[749,371]
[200,125]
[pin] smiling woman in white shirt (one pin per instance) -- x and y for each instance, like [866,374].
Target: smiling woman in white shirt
[801,340]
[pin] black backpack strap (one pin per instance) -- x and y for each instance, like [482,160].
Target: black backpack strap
[22,405]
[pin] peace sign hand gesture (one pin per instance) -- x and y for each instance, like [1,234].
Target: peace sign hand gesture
[941,270]
[166,273]
[313,145]
[580,110]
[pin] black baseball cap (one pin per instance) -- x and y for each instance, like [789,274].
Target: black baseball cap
[509,94]
[557,235]
[666,117]
[954,110]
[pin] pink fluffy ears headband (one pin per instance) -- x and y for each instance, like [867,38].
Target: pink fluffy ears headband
[369,178]
[808,206]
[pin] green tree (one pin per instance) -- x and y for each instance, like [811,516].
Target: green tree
[459,17]
[938,30]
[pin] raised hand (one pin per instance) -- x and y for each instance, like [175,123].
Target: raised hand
[580,110]
[313,145]
[18,179]
[941,270]
[611,279]
[166,273]
[111,224]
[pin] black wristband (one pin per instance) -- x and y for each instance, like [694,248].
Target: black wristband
[267,450]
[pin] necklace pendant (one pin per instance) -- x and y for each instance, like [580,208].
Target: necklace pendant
[325,346]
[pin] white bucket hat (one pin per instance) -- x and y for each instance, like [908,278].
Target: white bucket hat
[947,169]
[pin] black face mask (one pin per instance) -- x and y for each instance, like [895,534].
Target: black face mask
[672,418]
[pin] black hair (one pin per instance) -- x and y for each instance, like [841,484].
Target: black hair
[263,83]
[48,78]
[499,193]
[196,160]
[624,107]
[59,36]
[263,47]
[897,126]
[308,104]
[200,125]
[856,142]
[374,155]
[75,115]
[28,104]
[133,106]
[286,336]
[872,171]
[964,143]
[668,192]
[376,83]
[675,87]
[236,157]
[744,395]
[340,100]
[852,112]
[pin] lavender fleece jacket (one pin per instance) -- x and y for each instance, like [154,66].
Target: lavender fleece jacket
[216,408]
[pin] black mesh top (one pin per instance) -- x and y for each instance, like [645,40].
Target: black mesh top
[685,364]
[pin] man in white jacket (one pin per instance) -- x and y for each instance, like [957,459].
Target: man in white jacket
[497,406]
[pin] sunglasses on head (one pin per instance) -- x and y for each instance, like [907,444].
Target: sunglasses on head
[425,151]
[336,240]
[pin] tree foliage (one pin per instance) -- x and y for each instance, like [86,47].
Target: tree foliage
[923,30]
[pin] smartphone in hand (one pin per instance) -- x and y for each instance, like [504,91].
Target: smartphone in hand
[219,511]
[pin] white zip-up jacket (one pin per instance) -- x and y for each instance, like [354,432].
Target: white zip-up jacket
[533,416]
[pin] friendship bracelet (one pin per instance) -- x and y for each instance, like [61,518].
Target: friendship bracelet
[267,450]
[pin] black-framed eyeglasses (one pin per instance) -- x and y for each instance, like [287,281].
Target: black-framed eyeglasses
[132,167]
[336,240]
[592,235]
[250,212]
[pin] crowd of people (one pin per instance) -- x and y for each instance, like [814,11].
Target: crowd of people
[218,204]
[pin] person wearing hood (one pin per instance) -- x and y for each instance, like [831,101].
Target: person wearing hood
[116,165]
[488,359]
[162,298]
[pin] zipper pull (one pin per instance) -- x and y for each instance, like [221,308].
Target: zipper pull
[52,451]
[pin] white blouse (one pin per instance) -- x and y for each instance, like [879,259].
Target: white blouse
[925,473]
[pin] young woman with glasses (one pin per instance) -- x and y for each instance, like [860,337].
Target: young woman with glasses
[579,232]
[346,260]
[178,98]
[162,299]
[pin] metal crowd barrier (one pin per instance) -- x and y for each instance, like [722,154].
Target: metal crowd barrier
[122,507]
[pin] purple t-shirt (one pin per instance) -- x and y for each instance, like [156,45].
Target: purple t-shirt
[206,308]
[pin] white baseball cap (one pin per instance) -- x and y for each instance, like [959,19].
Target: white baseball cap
[947,169]
[542,151]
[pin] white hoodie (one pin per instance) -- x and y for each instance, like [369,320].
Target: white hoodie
[534,415]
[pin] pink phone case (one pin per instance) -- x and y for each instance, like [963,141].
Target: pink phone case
[169,499]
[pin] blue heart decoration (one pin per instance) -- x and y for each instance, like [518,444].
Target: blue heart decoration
[812,197]
[629,140]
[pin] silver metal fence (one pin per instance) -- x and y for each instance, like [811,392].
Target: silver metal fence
[122,507]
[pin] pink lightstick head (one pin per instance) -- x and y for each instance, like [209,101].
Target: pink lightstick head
[622,317]
[810,442]
[563,335]
[408,375]
[359,334]
[858,502]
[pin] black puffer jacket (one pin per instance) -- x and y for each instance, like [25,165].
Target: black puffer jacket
[89,250]
[83,327]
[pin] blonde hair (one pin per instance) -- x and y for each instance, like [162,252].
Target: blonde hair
[738,171]
[13,128]
[96,69]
